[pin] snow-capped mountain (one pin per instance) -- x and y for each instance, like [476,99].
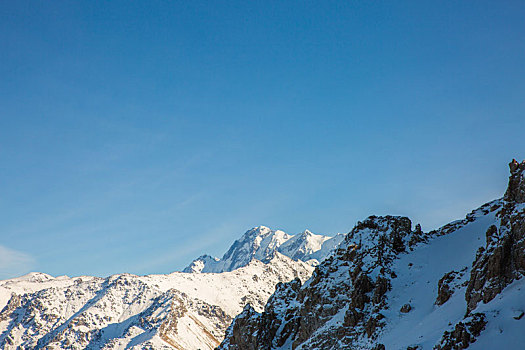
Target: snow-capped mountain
[384,285]
[261,243]
[175,311]
[391,286]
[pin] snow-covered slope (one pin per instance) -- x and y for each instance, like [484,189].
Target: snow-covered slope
[261,242]
[391,286]
[175,311]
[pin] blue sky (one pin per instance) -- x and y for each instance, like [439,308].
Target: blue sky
[135,136]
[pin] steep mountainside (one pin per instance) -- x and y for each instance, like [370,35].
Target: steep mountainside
[175,311]
[389,286]
[261,243]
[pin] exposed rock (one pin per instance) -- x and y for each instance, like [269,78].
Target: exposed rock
[242,332]
[502,260]
[464,333]
[447,285]
[516,189]
[406,308]
[13,303]
[444,292]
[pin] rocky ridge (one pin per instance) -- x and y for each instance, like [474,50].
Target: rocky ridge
[388,286]
[339,301]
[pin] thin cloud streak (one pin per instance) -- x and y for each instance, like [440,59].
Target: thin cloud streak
[14,263]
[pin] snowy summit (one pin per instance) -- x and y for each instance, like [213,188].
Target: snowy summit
[262,243]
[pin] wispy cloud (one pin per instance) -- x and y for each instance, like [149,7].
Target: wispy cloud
[14,263]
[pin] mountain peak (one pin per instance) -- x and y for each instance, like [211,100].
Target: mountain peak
[260,229]
[307,233]
[261,243]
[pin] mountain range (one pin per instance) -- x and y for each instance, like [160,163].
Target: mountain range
[386,284]
[181,310]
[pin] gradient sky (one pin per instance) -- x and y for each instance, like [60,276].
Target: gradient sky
[135,136]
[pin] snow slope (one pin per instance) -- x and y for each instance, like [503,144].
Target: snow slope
[261,243]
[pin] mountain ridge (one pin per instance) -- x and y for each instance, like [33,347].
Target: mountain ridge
[384,285]
[125,311]
[388,286]
[260,243]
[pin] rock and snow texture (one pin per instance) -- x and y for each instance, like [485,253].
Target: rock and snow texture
[175,311]
[261,243]
[389,286]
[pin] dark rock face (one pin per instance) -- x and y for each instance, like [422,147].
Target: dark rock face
[502,260]
[406,308]
[295,314]
[11,306]
[516,190]
[241,331]
[448,284]
[464,333]
[444,290]
[379,347]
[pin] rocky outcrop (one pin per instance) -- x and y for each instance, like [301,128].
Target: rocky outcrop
[463,334]
[448,284]
[516,189]
[406,308]
[12,305]
[352,282]
[502,260]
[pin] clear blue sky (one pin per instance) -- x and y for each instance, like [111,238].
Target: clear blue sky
[135,136]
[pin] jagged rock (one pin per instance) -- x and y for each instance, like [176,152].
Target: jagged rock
[242,332]
[444,292]
[444,289]
[516,189]
[503,258]
[464,333]
[13,303]
[406,308]
[370,326]
[382,286]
